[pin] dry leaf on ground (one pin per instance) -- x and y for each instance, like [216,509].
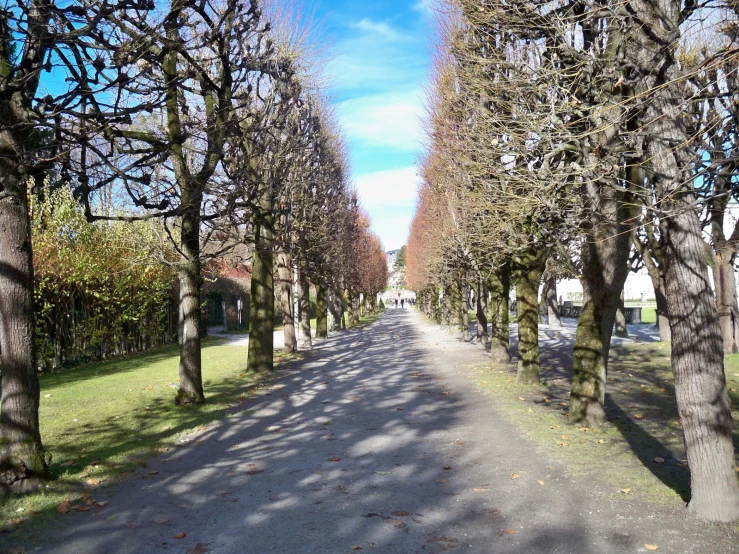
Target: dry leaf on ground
[179,536]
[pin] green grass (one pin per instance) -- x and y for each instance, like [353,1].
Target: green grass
[102,421]
[642,422]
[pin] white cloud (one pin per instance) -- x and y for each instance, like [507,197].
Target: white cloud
[425,7]
[377,28]
[394,188]
[391,120]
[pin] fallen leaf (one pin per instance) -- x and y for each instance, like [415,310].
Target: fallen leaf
[651,547]
[179,536]
[154,472]
[356,548]
[47,396]
[508,531]
[540,482]
[659,460]
[200,548]
[63,508]
[625,491]
[522,399]
[101,504]
[400,513]
[601,441]
[460,443]
[442,481]
[334,459]
[491,511]
[447,468]
[515,476]
[93,482]
[479,490]
[68,463]
[397,523]
[638,416]
[17,521]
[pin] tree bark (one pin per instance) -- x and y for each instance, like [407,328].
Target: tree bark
[336,310]
[262,303]
[321,312]
[22,457]
[552,304]
[604,258]
[287,307]
[307,341]
[190,369]
[621,328]
[726,299]
[500,290]
[697,349]
[455,308]
[527,279]
[482,320]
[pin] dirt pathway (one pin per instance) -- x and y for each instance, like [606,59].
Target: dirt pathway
[376,443]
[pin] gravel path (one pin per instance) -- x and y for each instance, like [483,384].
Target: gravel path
[374,443]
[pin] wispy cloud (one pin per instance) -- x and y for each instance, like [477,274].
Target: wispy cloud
[425,7]
[392,119]
[395,188]
[377,28]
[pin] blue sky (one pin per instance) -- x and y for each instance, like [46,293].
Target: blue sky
[377,68]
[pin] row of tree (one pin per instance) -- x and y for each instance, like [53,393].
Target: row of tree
[204,116]
[572,138]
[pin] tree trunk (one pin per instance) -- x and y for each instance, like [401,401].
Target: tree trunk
[22,458]
[604,258]
[335,309]
[307,342]
[621,328]
[726,300]
[500,290]
[552,304]
[527,279]
[190,370]
[321,312]
[455,308]
[262,304]
[482,320]
[355,309]
[697,349]
[697,362]
[287,307]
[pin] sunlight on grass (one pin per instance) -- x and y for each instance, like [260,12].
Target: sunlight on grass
[102,421]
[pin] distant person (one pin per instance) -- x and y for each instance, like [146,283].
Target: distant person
[402,303]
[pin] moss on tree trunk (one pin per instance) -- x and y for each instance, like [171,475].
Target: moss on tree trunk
[500,290]
[321,312]
[527,279]
[287,308]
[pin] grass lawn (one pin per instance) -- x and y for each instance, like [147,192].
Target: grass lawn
[640,450]
[101,421]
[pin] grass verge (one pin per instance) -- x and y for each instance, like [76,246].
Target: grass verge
[102,421]
[639,452]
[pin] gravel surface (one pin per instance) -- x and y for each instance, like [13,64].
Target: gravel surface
[378,443]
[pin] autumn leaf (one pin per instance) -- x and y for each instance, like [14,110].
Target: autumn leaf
[515,476]
[442,481]
[400,513]
[659,460]
[179,536]
[356,547]
[397,523]
[479,490]
[638,416]
[334,459]
[460,443]
[200,548]
[540,482]
[508,531]
[447,468]
[63,508]
[625,491]
[651,547]
[93,482]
